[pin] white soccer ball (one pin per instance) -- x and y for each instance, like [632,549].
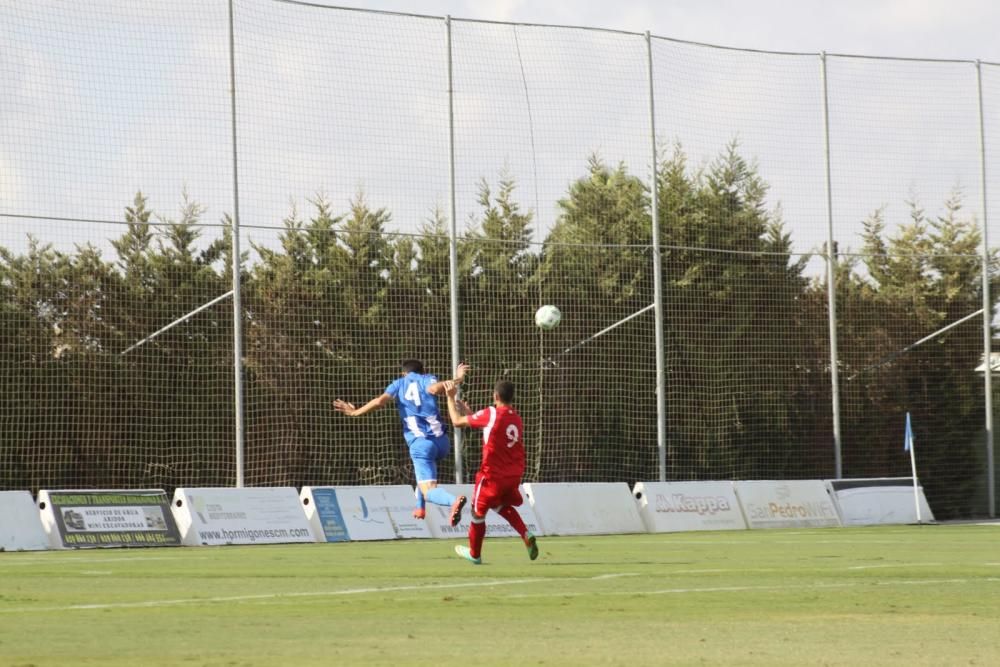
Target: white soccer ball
[547,317]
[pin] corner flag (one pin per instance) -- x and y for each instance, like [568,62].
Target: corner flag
[908,446]
[908,438]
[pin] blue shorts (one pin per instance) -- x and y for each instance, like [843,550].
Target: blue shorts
[425,453]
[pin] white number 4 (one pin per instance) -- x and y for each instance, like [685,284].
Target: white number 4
[412,394]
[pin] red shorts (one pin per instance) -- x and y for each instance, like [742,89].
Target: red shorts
[492,494]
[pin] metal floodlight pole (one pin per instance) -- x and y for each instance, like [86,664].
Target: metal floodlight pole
[661,378]
[831,280]
[236,270]
[453,242]
[987,310]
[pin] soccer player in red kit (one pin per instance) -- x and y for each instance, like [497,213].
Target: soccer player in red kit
[501,469]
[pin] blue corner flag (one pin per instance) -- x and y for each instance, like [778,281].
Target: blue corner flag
[908,438]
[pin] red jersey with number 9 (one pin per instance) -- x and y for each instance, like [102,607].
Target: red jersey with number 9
[503,441]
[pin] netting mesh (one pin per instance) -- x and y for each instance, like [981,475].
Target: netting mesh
[339,102]
[101,101]
[905,159]
[116,191]
[113,114]
[742,189]
[342,136]
[991,125]
[552,187]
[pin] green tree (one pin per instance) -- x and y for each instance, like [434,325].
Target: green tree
[599,411]
[906,286]
[734,340]
[498,291]
[34,287]
[319,327]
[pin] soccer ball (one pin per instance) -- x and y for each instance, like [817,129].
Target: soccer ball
[547,317]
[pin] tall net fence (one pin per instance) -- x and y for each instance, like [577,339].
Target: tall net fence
[742,207]
[355,139]
[115,180]
[342,138]
[551,188]
[905,155]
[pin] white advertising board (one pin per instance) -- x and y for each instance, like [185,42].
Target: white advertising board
[357,513]
[496,525]
[787,504]
[585,509]
[667,507]
[867,502]
[264,515]
[20,524]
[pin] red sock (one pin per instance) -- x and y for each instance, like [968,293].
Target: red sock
[514,519]
[477,531]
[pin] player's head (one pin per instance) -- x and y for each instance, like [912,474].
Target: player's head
[503,392]
[411,366]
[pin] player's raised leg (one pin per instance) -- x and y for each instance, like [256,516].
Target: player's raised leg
[439,496]
[419,512]
[423,453]
[532,545]
[513,517]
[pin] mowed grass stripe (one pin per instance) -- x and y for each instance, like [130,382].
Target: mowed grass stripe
[921,595]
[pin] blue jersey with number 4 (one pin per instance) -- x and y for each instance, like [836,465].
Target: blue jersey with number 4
[417,407]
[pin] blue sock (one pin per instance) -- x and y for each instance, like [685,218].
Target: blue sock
[420,499]
[439,496]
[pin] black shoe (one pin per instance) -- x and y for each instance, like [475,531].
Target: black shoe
[456,510]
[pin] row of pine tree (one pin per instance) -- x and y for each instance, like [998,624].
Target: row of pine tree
[332,309]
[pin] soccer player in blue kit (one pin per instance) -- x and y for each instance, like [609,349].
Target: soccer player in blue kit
[415,395]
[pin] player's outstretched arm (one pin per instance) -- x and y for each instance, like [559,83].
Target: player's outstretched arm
[457,420]
[351,411]
[438,387]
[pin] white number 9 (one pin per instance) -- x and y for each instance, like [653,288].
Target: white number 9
[512,435]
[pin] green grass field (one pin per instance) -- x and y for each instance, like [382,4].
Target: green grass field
[907,595]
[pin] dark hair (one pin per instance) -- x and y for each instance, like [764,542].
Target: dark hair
[505,391]
[412,366]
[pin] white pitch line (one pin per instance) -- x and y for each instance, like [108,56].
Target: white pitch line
[844,584]
[745,589]
[709,543]
[272,596]
[726,570]
[889,565]
[807,568]
[306,594]
[71,561]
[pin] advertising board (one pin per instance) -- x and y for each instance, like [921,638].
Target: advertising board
[787,504]
[681,506]
[259,515]
[109,518]
[357,513]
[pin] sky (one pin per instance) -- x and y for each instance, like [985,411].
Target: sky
[962,29]
[106,98]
